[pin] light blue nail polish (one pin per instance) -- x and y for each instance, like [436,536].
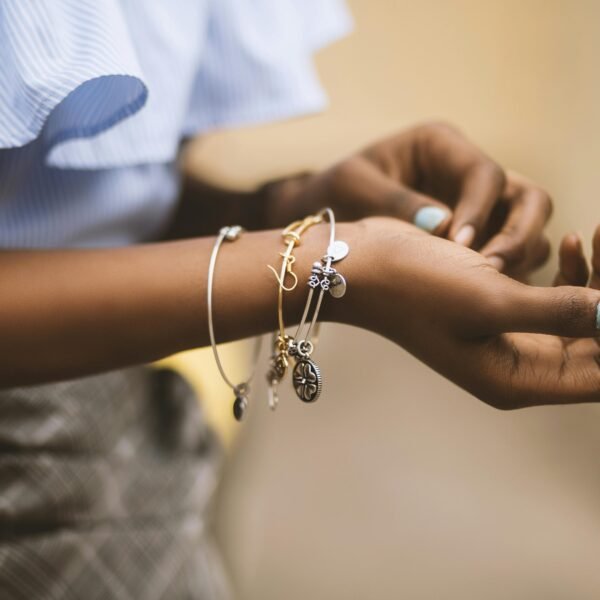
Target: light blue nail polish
[429,218]
[598,316]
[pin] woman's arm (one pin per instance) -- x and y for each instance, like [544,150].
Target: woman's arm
[203,208]
[68,313]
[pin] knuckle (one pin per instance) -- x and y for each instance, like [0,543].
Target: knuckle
[342,175]
[516,251]
[495,305]
[437,127]
[486,305]
[345,168]
[512,247]
[543,202]
[495,174]
[571,312]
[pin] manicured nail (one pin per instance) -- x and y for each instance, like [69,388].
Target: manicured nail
[496,262]
[598,316]
[465,235]
[429,218]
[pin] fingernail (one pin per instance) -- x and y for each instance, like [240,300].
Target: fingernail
[598,316]
[465,235]
[429,218]
[496,262]
[578,240]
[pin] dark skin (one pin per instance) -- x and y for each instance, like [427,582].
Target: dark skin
[574,270]
[500,213]
[501,340]
[68,313]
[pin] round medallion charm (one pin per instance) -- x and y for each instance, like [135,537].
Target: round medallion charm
[307,380]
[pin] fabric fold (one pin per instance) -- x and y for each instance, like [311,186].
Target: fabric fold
[68,70]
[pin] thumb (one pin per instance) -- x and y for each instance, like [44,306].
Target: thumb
[595,282]
[429,215]
[421,210]
[565,311]
[382,195]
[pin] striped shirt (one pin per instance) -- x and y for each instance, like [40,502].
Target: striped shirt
[97,95]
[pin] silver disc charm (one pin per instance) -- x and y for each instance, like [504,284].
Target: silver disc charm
[307,380]
[338,286]
[338,250]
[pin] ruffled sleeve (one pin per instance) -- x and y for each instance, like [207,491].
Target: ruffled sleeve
[74,74]
[68,70]
[257,61]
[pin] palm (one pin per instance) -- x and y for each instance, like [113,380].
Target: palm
[571,370]
[571,366]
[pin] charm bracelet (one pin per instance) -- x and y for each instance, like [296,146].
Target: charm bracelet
[279,359]
[307,379]
[240,390]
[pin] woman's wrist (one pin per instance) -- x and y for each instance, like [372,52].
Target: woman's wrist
[360,268]
[378,267]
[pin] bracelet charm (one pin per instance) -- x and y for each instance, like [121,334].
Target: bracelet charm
[240,390]
[307,379]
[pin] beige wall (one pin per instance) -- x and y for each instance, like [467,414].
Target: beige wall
[397,484]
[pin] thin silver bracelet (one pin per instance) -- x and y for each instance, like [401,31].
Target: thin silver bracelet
[306,376]
[241,390]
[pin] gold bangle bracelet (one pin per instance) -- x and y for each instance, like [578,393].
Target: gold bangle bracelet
[279,359]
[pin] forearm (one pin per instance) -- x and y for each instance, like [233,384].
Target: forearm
[68,313]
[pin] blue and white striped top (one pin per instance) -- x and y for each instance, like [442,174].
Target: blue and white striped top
[97,95]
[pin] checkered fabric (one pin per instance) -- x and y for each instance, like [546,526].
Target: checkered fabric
[105,487]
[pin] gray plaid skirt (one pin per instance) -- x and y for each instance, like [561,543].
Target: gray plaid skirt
[105,487]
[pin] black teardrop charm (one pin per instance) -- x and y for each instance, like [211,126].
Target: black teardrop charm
[239,407]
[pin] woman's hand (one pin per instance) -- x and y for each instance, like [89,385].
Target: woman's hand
[432,176]
[501,340]
[109,308]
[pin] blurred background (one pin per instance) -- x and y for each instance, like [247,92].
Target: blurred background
[396,484]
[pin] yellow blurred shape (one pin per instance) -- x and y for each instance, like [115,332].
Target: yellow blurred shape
[199,368]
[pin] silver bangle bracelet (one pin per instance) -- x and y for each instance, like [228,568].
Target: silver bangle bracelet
[306,376]
[240,390]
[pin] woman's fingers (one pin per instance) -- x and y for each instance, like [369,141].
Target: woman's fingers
[572,265]
[595,280]
[564,311]
[419,209]
[367,190]
[529,210]
[481,188]
[446,164]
